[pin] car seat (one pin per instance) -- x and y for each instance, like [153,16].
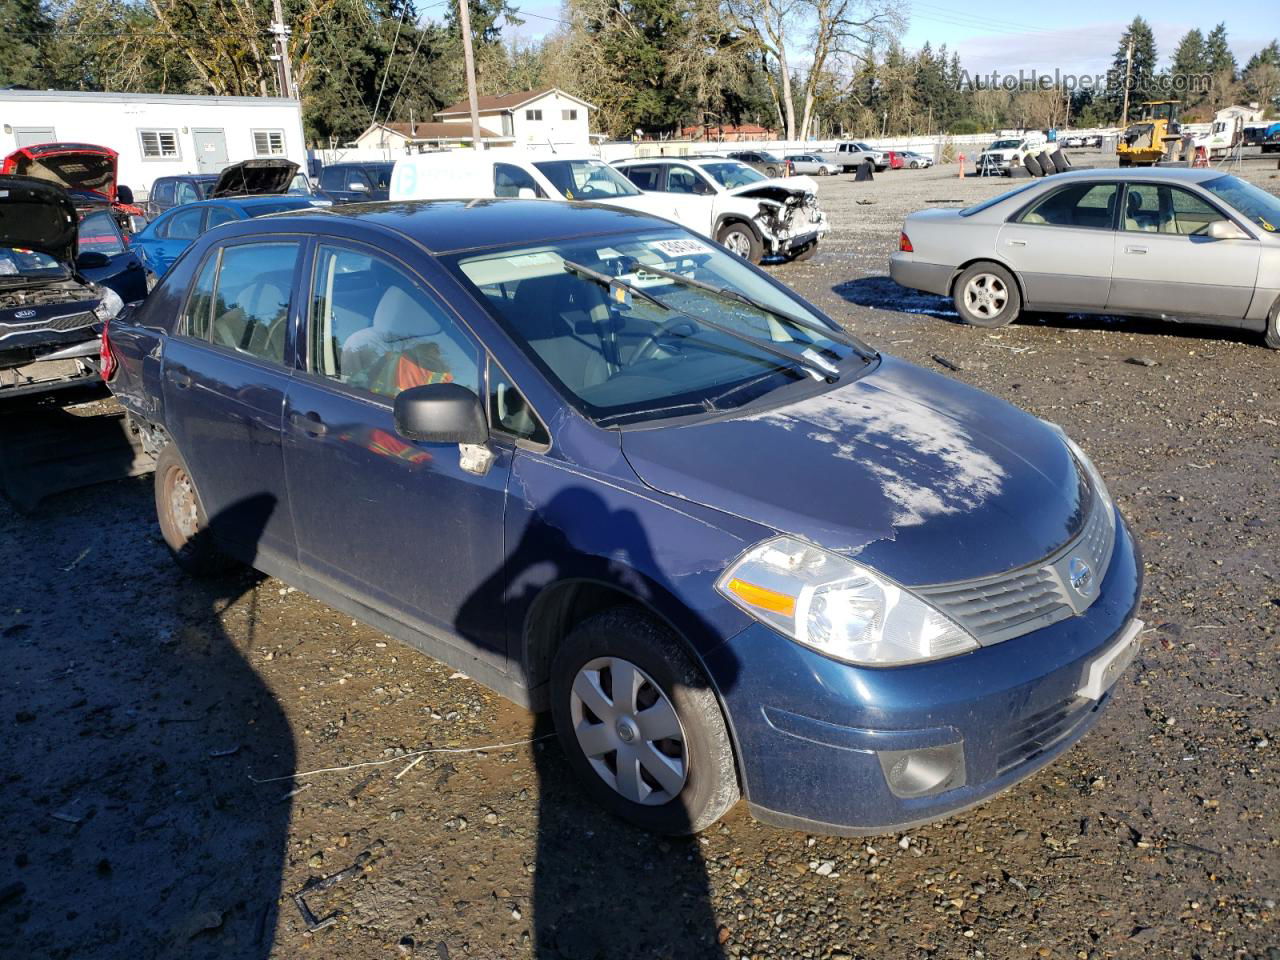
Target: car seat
[561,318]
[404,328]
[257,319]
[1136,218]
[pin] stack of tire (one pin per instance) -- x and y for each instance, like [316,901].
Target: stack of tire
[1046,163]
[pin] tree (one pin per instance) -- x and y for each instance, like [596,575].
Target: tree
[27,34]
[1261,77]
[1190,67]
[1217,52]
[1139,73]
[834,33]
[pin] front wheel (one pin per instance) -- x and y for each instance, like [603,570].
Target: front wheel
[738,239]
[1272,335]
[986,295]
[640,725]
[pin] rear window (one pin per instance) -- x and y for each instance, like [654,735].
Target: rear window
[998,198]
[99,234]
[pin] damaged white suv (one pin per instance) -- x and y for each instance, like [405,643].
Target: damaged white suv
[752,215]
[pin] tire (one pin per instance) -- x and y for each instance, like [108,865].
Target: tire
[699,780]
[915,164]
[1272,335]
[770,171]
[824,172]
[183,521]
[739,240]
[986,295]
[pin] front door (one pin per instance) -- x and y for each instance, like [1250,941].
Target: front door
[224,380]
[211,150]
[693,199]
[1165,264]
[1060,246]
[398,524]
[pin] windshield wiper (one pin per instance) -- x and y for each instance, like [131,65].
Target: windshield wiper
[814,365]
[725,293]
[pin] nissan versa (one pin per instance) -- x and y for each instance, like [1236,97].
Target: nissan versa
[607,468]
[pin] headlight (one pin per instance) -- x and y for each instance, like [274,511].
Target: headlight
[838,607]
[109,305]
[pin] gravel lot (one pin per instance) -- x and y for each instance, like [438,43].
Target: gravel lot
[142,709]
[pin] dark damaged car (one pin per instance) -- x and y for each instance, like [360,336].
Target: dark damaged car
[610,470]
[50,312]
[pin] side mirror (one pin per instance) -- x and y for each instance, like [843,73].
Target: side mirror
[441,413]
[124,194]
[92,259]
[137,224]
[1225,230]
[358,187]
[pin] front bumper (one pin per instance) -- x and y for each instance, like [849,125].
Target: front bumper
[812,734]
[906,271]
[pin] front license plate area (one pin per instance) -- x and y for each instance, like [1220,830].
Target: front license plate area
[1105,669]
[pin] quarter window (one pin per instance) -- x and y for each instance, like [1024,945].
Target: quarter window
[1079,205]
[646,178]
[220,215]
[376,328]
[509,411]
[159,144]
[251,302]
[200,304]
[268,143]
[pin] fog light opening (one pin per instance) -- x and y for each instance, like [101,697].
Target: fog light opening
[925,771]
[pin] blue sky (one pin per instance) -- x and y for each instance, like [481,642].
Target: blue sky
[1079,36]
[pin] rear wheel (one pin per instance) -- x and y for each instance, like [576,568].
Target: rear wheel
[986,295]
[739,240]
[183,521]
[1272,335]
[640,725]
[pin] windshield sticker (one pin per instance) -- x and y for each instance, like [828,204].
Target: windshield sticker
[1266,226]
[608,253]
[680,248]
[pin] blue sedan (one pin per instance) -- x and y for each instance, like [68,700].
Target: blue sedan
[167,237]
[610,470]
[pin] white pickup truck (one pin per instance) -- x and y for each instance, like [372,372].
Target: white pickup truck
[849,154]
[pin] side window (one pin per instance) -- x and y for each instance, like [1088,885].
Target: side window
[684,180]
[1191,215]
[163,191]
[218,215]
[374,327]
[509,411]
[186,192]
[195,320]
[185,224]
[645,178]
[1142,203]
[330,178]
[1079,205]
[508,179]
[251,302]
[356,179]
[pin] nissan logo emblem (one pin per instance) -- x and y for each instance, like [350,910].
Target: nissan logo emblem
[1080,575]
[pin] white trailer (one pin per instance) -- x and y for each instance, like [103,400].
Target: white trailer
[156,135]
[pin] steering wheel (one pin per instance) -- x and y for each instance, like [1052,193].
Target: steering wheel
[651,344]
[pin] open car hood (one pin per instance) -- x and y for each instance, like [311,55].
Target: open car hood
[37,215]
[76,167]
[776,188]
[265,176]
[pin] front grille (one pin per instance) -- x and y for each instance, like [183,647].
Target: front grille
[71,321]
[1042,731]
[1009,604]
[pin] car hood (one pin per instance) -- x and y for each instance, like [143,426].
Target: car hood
[267,175]
[37,215]
[79,167]
[923,478]
[770,189]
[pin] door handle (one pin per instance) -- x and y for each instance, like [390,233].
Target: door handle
[1017,243]
[1135,249]
[308,423]
[179,378]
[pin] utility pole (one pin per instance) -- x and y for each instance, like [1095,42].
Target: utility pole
[284,67]
[1128,74]
[464,20]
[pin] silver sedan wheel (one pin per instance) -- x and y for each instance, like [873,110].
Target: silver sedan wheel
[986,295]
[629,731]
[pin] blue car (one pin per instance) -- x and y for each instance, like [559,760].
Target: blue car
[610,470]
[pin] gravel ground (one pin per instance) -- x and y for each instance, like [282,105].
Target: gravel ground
[145,717]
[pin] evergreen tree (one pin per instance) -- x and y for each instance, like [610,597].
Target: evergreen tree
[26,34]
[1218,55]
[1140,72]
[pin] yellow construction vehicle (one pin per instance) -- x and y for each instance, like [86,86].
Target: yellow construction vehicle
[1154,137]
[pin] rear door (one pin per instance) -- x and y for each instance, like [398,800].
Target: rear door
[1164,263]
[226,371]
[1060,246]
[398,524]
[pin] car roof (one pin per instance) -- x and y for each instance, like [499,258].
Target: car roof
[246,202]
[448,226]
[1173,174]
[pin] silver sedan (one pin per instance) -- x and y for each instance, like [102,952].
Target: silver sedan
[1175,244]
[809,164]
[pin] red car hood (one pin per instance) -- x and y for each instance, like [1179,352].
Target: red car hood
[76,167]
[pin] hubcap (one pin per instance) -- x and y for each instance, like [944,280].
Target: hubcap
[737,243]
[629,731]
[182,504]
[986,295]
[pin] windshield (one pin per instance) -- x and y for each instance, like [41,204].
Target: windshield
[299,186]
[1005,145]
[731,173]
[586,179]
[99,234]
[1254,202]
[21,262]
[998,198]
[642,347]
